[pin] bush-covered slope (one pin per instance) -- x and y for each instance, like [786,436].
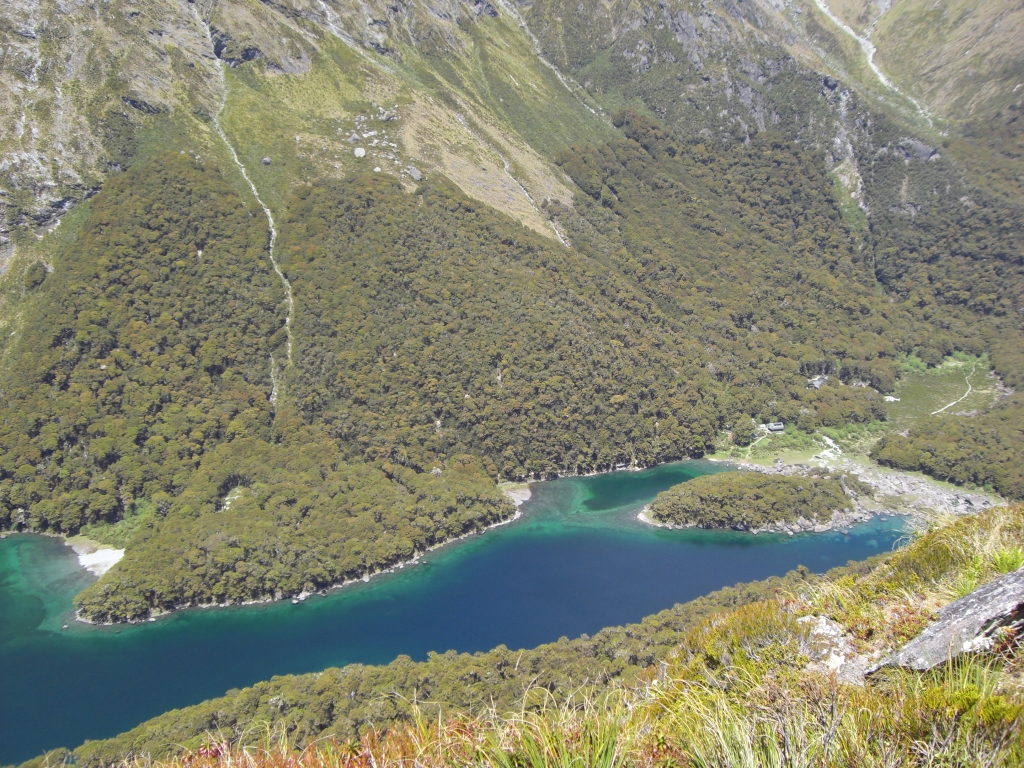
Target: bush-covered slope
[148,345]
[426,324]
[985,449]
[745,247]
[143,372]
[748,500]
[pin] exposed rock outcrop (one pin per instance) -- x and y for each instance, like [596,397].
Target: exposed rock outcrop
[973,623]
[830,651]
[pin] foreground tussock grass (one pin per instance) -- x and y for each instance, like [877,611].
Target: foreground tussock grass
[739,691]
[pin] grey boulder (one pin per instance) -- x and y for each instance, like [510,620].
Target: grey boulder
[972,623]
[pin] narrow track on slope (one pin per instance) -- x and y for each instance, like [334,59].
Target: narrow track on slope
[967,380]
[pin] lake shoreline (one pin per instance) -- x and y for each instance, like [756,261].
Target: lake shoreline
[302,596]
[573,563]
[888,484]
[517,491]
[896,494]
[93,556]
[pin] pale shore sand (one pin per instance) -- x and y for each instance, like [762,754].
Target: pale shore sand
[643,518]
[95,558]
[519,495]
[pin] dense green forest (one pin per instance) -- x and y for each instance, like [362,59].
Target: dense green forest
[438,346]
[148,345]
[427,324]
[263,520]
[345,701]
[140,387]
[750,500]
[986,449]
[953,263]
[745,247]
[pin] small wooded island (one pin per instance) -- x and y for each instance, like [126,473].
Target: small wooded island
[755,502]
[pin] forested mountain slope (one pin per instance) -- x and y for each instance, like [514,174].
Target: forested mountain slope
[517,241]
[288,288]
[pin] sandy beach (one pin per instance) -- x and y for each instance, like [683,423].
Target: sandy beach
[519,494]
[95,558]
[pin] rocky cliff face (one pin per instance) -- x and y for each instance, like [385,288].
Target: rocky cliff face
[81,83]
[989,616]
[76,82]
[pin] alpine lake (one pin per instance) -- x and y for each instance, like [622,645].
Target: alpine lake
[576,561]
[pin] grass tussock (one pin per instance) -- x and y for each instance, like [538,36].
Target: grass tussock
[954,717]
[949,560]
[739,691]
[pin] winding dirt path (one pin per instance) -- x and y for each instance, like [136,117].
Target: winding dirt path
[967,380]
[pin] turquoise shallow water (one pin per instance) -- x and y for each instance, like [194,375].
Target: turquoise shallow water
[577,561]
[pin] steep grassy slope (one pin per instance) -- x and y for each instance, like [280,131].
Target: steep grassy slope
[461,89]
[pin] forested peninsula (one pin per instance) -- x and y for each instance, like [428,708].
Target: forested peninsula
[755,502]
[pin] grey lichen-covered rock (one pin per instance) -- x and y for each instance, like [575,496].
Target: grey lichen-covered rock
[830,652]
[415,172]
[971,623]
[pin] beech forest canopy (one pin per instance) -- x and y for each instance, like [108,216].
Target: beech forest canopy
[746,500]
[438,346]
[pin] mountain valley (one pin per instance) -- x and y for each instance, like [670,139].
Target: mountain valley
[289,289]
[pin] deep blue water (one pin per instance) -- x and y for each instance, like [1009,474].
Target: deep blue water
[577,561]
